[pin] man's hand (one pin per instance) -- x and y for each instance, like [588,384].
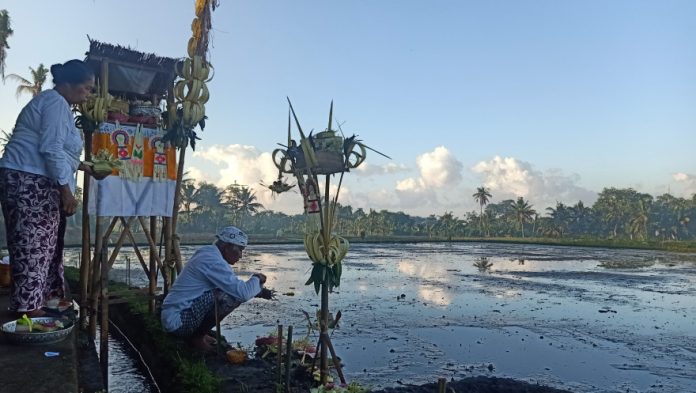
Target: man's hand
[261,276]
[268,294]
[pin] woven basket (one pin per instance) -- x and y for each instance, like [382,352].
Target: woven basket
[327,163]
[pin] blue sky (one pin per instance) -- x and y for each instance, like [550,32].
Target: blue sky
[548,100]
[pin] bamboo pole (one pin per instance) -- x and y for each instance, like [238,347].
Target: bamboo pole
[103,238]
[288,359]
[104,336]
[152,273]
[136,249]
[99,247]
[85,259]
[218,334]
[334,358]
[167,228]
[441,385]
[280,356]
[177,202]
[151,241]
[323,363]
[101,242]
[119,243]
[94,284]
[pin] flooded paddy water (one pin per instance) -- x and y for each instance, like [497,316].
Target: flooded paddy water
[582,319]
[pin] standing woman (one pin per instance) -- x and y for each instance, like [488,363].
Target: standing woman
[37,187]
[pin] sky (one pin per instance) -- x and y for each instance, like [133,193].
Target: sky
[549,100]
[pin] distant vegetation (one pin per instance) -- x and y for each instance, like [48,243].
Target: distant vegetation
[619,218]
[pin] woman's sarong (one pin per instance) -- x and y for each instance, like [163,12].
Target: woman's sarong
[35,228]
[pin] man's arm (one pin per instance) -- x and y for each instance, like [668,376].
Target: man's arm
[223,277]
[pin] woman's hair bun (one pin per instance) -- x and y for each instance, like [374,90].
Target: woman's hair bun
[57,71]
[73,72]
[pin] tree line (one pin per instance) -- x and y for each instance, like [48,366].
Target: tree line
[616,214]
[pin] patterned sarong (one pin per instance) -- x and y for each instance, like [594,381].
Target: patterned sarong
[35,228]
[203,309]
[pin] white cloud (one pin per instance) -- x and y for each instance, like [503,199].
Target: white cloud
[439,168]
[197,175]
[247,166]
[687,182]
[366,169]
[509,178]
[437,188]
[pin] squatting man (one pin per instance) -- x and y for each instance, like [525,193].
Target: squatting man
[188,311]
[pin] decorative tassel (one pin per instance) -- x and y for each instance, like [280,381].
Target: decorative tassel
[159,172]
[134,167]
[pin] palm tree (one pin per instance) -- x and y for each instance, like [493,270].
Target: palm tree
[482,196]
[560,216]
[522,211]
[187,194]
[208,201]
[242,201]
[5,33]
[34,86]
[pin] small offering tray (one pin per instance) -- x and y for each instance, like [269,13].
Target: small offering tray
[37,337]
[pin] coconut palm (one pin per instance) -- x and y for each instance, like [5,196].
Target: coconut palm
[522,212]
[209,207]
[33,87]
[5,33]
[242,201]
[482,196]
[187,194]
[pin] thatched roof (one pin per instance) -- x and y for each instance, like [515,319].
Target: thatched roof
[126,58]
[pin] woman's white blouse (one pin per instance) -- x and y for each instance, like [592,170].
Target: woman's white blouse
[45,140]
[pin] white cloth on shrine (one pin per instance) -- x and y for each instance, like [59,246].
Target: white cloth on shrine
[119,197]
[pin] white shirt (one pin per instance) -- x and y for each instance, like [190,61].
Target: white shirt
[45,140]
[205,270]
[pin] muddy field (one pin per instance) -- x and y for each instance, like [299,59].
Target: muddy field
[579,319]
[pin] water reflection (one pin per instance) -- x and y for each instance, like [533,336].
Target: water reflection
[435,295]
[528,292]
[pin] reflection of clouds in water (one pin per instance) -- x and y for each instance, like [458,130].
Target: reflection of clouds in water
[422,270]
[507,294]
[279,273]
[435,295]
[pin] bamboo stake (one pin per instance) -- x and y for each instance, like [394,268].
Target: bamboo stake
[280,355]
[288,359]
[119,243]
[152,273]
[334,358]
[98,247]
[136,250]
[177,202]
[94,290]
[151,242]
[167,228]
[103,238]
[218,338]
[85,260]
[441,385]
[104,336]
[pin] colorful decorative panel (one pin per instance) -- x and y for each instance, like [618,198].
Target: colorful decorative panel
[145,183]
